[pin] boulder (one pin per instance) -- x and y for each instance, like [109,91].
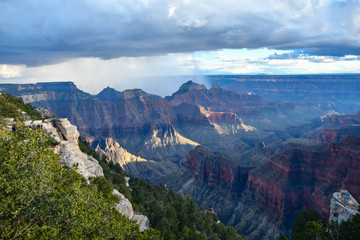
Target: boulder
[124,207]
[342,206]
[142,220]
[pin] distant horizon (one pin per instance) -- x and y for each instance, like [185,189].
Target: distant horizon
[170,84]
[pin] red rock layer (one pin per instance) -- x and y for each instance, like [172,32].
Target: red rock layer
[293,180]
[215,170]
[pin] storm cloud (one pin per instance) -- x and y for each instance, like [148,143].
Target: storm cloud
[37,32]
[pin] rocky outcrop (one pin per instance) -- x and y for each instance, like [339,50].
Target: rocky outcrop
[124,206]
[343,206]
[142,220]
[215,170]
[190,86]
[68,149]
[226,123]
[45,91]
[335,135]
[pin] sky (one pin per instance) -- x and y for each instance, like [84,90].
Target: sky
[138,43]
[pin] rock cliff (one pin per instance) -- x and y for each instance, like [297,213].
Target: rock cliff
[108,95]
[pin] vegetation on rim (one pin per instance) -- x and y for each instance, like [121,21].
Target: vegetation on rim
[40,199]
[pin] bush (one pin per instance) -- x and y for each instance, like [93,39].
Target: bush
[309,225]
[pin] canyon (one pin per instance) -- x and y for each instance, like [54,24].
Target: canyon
[256,156]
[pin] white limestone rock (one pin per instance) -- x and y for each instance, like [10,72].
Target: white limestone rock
[68,149]
[124,207]
[142,220]
[127,179]
[71,155]
[70,152]
[68,131]
[342,206]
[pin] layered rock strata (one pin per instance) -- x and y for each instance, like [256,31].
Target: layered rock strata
[135,165]
[262,201]
[166,129]
[338,92]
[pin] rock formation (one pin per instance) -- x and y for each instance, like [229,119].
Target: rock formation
[44,91]
[343,206]
[167,129]
[68,149]
[124,206]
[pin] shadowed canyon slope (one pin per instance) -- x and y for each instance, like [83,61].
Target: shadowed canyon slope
[256,161]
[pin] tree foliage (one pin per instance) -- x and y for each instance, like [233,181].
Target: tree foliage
[309,225]
[11,107]
[42,200]
[308,222]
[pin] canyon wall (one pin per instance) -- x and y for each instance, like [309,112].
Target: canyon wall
[262,202]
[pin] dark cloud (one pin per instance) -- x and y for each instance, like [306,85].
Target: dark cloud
[291,55]
[37,32]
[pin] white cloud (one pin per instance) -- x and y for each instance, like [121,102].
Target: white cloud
[10,71]
[171,12]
